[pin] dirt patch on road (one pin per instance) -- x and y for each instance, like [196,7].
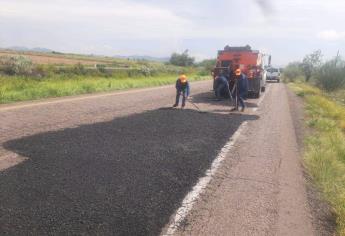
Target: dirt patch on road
[324,221]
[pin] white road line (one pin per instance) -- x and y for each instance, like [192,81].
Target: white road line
[190,199]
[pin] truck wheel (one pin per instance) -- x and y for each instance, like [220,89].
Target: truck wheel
[278,80]
[257,95]
[263,89]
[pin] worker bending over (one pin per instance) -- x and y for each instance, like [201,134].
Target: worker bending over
[222,85]
[182,88]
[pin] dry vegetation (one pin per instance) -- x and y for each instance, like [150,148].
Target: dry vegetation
[58,59]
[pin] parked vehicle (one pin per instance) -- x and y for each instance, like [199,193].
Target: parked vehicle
[251,63]
[273,74]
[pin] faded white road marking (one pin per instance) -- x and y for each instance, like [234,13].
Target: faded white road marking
[192,196]
[190,199]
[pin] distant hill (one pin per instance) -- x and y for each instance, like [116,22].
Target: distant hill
[41,50]
[146,58]
[25,49]
[47,50]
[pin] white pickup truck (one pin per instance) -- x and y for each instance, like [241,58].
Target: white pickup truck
[273,74]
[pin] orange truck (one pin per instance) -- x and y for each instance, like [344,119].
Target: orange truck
[251,63]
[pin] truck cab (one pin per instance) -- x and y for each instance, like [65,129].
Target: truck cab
[273,74]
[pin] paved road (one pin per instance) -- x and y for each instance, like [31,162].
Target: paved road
[260,188]
[114,164]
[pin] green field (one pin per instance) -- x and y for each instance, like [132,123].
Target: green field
[325,146]
[30,76]
[14,89]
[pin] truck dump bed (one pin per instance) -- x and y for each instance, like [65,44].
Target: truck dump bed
[238,57]
[249,61]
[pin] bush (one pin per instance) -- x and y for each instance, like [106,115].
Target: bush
[310,64]
[79,69]
[331,75]
[16,65]
[145,70]
[101,68]
[207,66]
[292,71]
[182,59]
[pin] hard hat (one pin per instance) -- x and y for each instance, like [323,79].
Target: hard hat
[183,78]
[238,72]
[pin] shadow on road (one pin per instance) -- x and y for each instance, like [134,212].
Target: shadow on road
[122,177]
[210,98]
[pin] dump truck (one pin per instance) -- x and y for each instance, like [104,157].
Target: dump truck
[251,63]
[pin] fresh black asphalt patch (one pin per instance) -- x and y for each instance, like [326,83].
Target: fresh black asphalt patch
[123,177]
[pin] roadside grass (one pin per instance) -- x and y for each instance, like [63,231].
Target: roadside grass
[16,88]
[339,96]
[325,147]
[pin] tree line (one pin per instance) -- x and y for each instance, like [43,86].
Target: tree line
[328,75]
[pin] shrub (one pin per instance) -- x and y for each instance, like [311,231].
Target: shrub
[310,64]
[292,71]
[40,71]
[16,65]
[145,70]
[101,68]
[331,75]
[206,66]
[79,69]
[182,59]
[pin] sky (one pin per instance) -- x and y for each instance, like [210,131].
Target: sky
[286,29]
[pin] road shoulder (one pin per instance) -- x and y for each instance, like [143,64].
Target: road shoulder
[323,219]
[260,188]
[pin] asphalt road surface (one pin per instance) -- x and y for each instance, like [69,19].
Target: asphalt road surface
[121,164]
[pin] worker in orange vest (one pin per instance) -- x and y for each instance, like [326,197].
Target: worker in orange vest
[182,88]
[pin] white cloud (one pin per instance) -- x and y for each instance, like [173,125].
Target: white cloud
[118,18]
[59,10]
[331,35]
[156,27]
